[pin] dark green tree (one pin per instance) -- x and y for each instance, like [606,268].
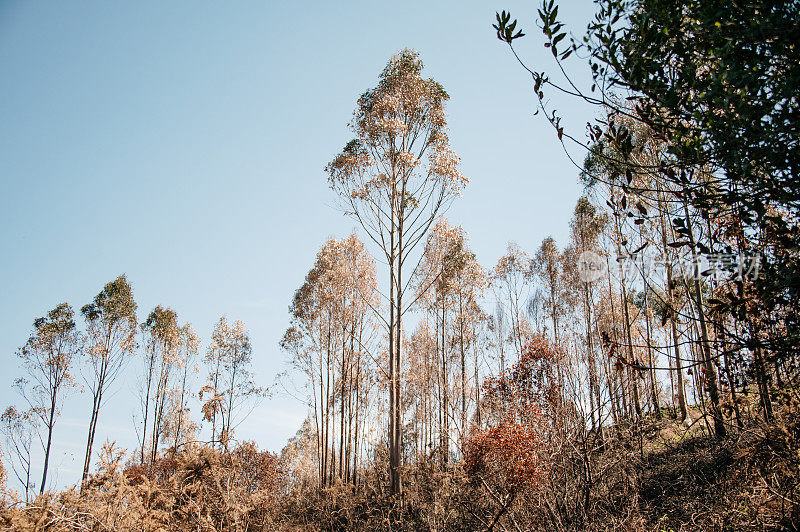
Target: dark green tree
[716,82]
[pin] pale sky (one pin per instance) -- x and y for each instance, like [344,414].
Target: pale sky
[183,143]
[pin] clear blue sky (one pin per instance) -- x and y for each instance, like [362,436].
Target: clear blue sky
[183,143]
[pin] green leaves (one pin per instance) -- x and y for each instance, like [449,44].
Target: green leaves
[505,28]
[551,28]
[58,321]
[113,304]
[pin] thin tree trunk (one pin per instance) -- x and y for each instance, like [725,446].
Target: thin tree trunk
[49,441]
[681,392]
[708,366]
[632,376]
[394,462]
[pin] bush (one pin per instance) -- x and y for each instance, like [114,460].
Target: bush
[200,488]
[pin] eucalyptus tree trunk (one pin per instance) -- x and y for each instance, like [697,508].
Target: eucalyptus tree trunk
[708,366]
[394,352]
[633,377]
[385,181]
[444,433]
[672,311]
[97,399]
[463,366]
[49,425]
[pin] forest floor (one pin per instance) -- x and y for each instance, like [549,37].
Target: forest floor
[688,480]
[653,475]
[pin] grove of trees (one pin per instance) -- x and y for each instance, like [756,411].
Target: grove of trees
[640,375]
[59,353]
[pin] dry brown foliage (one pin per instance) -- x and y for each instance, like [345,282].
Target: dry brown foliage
[200,488]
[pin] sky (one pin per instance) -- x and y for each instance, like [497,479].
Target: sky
[183,144]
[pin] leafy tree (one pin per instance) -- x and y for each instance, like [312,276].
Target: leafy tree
[586,225]
[230,383]
[330,342]
[717,83]
[111,332]
[509,280]
[179,421]
[546,268]
[19,431]
[394,178]
[162,337]
[47,359]
[449,282]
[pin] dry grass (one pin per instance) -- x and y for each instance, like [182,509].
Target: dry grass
[655,475]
